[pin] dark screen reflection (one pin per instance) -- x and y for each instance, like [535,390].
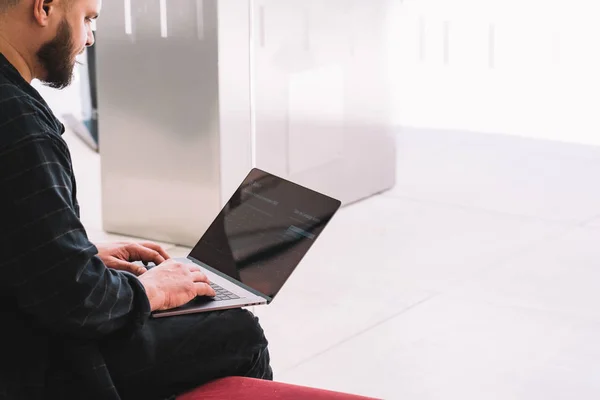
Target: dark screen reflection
[264,231]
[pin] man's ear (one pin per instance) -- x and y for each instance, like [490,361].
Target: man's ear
[42,9]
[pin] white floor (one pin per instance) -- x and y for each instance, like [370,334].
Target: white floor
[475,278]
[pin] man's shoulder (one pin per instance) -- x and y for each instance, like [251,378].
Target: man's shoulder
[22,115]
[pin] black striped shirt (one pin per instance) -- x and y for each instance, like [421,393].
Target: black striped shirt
[53,287]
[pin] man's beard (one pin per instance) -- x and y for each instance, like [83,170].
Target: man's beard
[56,58]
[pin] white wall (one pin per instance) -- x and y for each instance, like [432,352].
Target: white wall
[524,67]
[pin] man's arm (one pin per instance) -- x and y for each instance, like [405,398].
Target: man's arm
[47,261]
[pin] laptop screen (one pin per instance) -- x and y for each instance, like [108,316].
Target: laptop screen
[264,231]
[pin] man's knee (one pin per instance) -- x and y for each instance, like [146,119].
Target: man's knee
[243,327]
[249,342]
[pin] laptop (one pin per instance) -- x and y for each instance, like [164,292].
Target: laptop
[256,242]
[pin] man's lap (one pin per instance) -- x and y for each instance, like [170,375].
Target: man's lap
[175,354]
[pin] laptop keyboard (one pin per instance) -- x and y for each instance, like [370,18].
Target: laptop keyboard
[222,294]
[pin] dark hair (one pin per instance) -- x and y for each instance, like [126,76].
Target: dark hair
[6,4]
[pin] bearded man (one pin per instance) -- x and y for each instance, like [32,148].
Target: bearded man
[76,317]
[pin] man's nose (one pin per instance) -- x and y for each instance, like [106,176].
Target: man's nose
[90,38]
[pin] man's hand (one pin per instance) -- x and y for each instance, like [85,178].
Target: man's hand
[121,255]
[173,284]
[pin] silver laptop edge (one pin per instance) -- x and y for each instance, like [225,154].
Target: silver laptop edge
[248,296]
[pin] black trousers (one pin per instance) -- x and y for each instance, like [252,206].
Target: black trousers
[172,355]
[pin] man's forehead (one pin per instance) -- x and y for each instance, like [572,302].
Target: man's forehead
[92,5]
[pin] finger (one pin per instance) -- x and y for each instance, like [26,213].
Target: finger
[199,277]
[127,266]
[203,289]
[158,248]
[137,252]
[193,268]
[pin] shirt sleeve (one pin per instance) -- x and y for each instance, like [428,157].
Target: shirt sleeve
[46,260]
